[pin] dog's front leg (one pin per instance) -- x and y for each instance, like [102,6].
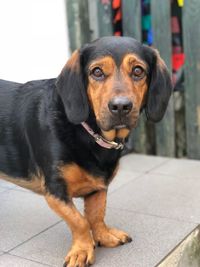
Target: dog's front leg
[82,250]
[95,206]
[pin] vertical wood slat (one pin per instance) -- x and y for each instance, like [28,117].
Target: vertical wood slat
[165,130]
[78,22]
[93,19]
[131,10]
[105,18]
[100,18]
[191,33]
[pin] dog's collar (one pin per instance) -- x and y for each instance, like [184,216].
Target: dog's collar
[100,140]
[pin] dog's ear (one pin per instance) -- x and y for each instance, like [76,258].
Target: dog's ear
[71,86]
[160,85]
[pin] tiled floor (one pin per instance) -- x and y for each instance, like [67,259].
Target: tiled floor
[155,199]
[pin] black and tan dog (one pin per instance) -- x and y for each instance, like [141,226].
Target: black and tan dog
[62,137]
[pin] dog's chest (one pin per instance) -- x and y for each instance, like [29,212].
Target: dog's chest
[80,182]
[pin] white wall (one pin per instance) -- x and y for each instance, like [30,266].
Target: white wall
[33,39]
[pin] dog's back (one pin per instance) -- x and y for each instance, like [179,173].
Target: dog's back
[8,92]
[19,104]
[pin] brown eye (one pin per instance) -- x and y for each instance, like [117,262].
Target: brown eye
[97,74]
[138,72]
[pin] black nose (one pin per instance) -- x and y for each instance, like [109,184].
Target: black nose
[120,105]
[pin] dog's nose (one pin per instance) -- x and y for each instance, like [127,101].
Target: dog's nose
[120,105]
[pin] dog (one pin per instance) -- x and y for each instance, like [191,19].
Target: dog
[62,137]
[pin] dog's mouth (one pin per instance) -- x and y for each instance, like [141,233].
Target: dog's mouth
[110,124]
[113,130]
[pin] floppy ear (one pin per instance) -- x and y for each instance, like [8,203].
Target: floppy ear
[160,86]
[71,87]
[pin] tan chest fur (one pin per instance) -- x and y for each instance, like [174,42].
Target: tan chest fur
[79,182]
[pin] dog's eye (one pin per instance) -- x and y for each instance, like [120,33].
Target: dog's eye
[138,72]
[97,74]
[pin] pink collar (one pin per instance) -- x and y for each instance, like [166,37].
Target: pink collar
[100,140]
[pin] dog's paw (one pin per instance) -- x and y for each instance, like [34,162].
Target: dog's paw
[80,255]
[110,237]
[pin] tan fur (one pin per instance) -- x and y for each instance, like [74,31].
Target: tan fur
[36,184]
[109,135]
[138,88]
[132,60]
[82,249]
[118,82]
[95,206]
[79,182]
[123,133]
[99,92]
[73,61]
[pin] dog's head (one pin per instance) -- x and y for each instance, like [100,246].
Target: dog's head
[117,77]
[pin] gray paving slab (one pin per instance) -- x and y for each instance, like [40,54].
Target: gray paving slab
[7,260]
[49,247]
[1,252]
[5,184]
[22,216]
[153,238]
[160,195]
[141,163]
[3,190]
[19,188]
[123,177]
[180,168]
[155,199]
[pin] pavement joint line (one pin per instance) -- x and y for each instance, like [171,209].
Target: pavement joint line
[46,229]
[21,257]
[138,176]
[159,165]
[155,215]
[172,175]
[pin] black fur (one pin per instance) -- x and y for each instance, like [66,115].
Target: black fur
[160,86]
[71,88]
[40,120]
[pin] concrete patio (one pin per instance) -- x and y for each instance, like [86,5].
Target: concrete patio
[156,200]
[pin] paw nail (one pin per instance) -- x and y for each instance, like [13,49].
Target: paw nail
[65,264]
[129,239]
[99,244]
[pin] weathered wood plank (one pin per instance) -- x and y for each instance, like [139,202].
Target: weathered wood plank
[165,130]
[191,30]
[93,19]
[78,22]
[104,18]
[100,18]
[131,10]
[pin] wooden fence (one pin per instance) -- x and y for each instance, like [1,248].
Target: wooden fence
[90,19]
